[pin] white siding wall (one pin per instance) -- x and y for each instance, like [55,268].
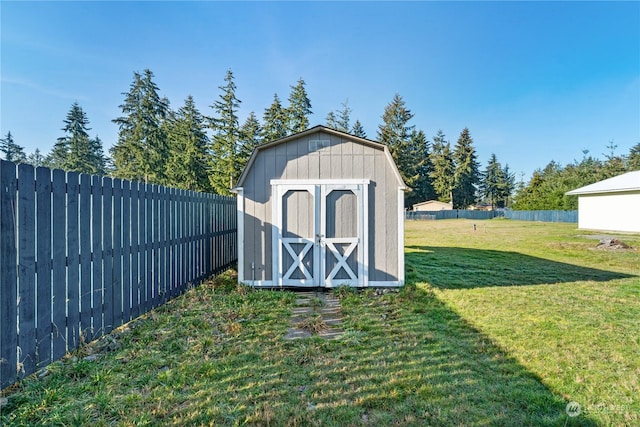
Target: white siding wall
[610,212]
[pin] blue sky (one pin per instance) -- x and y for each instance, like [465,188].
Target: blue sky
[532,81]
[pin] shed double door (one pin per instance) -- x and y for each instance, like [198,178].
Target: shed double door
[319,234]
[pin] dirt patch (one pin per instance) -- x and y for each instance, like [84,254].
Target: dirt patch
[612,244]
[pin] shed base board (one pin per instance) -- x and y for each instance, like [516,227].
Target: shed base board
[270,284]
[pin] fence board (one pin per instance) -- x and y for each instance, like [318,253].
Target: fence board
[80,255]
[73,262]
[156,245]
[43,266]
[26,270]
[148,233]
[135,251]
[126,251]
[162,260]
[174,249]
[189,237]
[59,310]
[8,284]
[117,253]
[96,230]
[85,258]
[142,244]
[183,241]
[107,254]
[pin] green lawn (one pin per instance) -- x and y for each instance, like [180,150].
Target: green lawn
[501,326]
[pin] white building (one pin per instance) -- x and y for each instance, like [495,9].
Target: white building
[610,205]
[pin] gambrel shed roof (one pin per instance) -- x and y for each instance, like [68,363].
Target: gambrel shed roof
[323,129]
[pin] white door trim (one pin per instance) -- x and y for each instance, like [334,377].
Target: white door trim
[320,189]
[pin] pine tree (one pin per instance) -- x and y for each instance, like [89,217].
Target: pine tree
[12,151]
[226,136]
[343,117]
[331,121]
[509,185]
[76,151]
[274,122]
[442,167]
[358,130]
[188,165]
[633,160]
[36,159]
[141,152]
[492,185]
[340,119]
[422,188]
[395,133]
[466,174]
[250,133]
[299,109]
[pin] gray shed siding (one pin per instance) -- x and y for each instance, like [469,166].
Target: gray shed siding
[342,159]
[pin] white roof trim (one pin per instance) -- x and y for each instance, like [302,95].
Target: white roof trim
[626,182]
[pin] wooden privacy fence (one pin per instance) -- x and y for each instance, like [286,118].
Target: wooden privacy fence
[80,255]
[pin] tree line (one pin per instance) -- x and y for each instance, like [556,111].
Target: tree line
[547,187]
[186,149]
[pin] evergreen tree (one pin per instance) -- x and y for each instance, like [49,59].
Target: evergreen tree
[493,183]
[188,165]
[509,184]
[76,151]
[274,124]
[299,109]
[633,161]
[339,119]
[331,121]
[442,167]
[395,133]
[249,139]
[12,151]
[141,152]
[358,130]
[36,159]
[344,117]
[614,164]
[422,188]
[466,174]
[226,136]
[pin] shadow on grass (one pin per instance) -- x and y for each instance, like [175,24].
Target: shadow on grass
[405,359]
[454,268]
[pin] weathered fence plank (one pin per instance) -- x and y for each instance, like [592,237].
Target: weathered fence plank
[96,230]
[26,270]
[107,254]
[59,310]
[73,262]
[81,255]
[43,266]
[162,259]
[142,242]
[8,284]
[148,234]
[85,258]
[156,245]
[126,251]
[117,253]
[135,251]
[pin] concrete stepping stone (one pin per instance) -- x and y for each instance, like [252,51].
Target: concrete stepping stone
[309,303]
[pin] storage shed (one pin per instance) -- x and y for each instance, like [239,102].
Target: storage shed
[610,205]
[321,208]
